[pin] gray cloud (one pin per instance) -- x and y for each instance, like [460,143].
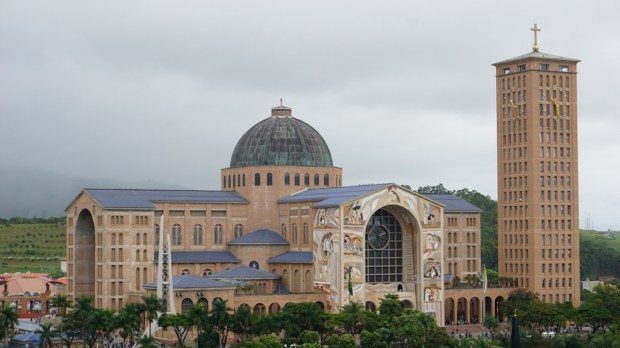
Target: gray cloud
[401,91]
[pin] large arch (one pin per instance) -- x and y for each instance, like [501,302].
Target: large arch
[84,276]
[450,308]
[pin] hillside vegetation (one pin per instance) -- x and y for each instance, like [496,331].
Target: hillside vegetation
[34,247]
[600,254]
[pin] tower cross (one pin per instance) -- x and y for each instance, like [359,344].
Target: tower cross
[536,29]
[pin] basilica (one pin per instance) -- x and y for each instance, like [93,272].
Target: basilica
[281,229]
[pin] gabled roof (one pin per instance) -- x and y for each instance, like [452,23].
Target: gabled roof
[243,273]
[453,204]
[333,196]
[201,257]
[292,257]
[260,237]
[145,199]
[537,55]
[189,281]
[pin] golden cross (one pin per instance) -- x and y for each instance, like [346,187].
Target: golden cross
[536,29]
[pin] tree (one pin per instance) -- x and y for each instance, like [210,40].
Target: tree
[221,319]
[61,302]
[352,316]
[344,341]
[46,332]
[147,341]
[180,323]
[152,307]
[267,341]
[8,320]
[128,320]
[390,307]
[518,301]
[81,314]
[372,339]
[243,321]
[492,324]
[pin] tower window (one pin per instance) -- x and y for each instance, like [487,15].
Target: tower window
[306,179]
[316,180]
[257,179]
[326,180]
[506,71]
[269,179]
[544,67]
[563,68]
[296,179]
[287,179]
[522,67]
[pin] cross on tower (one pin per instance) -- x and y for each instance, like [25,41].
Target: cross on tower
[536,29]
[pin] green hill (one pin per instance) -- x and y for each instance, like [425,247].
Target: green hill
[600,254]
[31,247]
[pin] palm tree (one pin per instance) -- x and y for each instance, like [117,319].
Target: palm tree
[46,332]
[221,319]
[152,307]
[8,320]
[82,311]
[61,301]
[128,320]
[352,315]
[147,342]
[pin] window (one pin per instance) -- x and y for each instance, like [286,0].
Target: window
[198,234]
[506,71]
[283,231]
[317,179]
[287,179]
[522,67]
[544,67]
[296,179]
[306,179]
[238,230]
[156,232]
[176,234]
[563,68]
[186,305]
[326,180]
[294,233]
[269,179]
[257,179]
[218,234]
[305,233]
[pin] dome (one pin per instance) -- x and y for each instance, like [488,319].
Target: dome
[281,140]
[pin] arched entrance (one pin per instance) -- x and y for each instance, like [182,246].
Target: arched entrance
[499,304]
[450,314]
[474,311]
[84,276]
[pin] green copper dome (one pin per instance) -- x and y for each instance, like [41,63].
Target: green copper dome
[281,140]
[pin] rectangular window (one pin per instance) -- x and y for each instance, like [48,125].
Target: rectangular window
[544,67]
[218,213]
[522,67]
[176,212]
[506,71]
[197,213]
[563,68]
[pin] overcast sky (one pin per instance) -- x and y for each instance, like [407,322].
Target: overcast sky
[402,91]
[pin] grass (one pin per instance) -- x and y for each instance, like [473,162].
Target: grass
[31,247]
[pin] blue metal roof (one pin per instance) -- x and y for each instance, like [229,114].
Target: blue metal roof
[144,199]
[189,281]
[202,257]
[243,273]
[260,237]
[453,204]
[333,196]
[292,257]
